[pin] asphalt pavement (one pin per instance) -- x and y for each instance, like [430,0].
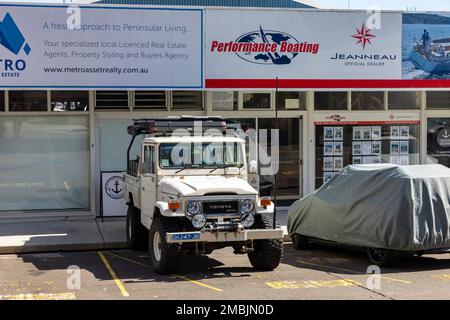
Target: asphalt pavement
[319,273]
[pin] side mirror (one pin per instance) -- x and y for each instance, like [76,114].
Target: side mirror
[253,167]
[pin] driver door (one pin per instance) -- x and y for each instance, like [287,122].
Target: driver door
[148,183]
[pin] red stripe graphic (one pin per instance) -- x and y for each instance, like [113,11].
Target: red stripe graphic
[324,83]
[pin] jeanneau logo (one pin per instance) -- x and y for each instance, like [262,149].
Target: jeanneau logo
[363,36]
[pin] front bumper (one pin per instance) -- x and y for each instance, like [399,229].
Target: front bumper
[208,236]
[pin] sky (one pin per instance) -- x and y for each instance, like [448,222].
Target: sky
[48,1]
[418,5]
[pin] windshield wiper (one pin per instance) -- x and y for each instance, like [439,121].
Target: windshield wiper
[187,167]
[224,166]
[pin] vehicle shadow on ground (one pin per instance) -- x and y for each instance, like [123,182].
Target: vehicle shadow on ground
[194,267]
[131,266]
[344,260]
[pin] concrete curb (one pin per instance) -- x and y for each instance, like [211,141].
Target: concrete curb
[72,247]
[66,235]
[50,248]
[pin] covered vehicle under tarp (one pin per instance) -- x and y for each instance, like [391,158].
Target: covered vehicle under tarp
[385,206]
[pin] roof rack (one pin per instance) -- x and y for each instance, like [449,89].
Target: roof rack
[168,125]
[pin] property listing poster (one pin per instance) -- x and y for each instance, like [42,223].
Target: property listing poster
[355,141]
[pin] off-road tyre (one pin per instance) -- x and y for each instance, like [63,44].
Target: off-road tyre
[267,253]
[164,260]
[381,257]
[300,242]
[137,234]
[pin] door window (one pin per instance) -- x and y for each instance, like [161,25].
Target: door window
[149,164]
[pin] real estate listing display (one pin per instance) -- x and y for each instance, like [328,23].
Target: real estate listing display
[383,139]
[333,148]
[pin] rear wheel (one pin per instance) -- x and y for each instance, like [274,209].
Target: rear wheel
[300,242]
[136,232]
[164,256]
[381,257]
[267,253]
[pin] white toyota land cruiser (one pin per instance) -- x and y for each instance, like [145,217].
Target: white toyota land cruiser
[188,194]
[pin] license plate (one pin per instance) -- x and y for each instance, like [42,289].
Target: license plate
[185,236]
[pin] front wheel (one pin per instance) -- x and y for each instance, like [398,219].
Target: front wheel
[267,253]
[381,257]
[163,255]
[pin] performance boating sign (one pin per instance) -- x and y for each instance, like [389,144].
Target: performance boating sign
[251,49]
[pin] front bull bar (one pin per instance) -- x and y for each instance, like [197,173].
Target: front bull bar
[208,236]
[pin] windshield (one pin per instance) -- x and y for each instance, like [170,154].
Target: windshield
[200,155]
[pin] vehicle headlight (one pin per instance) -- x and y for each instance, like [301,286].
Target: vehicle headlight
[248,220]
[247,206]
[198,221]
[193,207]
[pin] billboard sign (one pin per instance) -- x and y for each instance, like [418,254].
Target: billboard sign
[299,46]
[141,47]
[55,46]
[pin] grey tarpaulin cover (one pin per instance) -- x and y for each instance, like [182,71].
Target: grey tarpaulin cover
[381,206]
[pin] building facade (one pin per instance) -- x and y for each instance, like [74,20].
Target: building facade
[63,136]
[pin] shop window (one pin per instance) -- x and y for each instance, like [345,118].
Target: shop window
[288,176]
[438,100]
[2,100]
[245,125]
[44,163]
[341,145]
[27,100]
[111,100]
[291,100]
[150,100]
[187,100]
[224,100]
[367,100]
[256,100]
[398,100]
[330,100]
[114,141]
[438,141]
[70,100]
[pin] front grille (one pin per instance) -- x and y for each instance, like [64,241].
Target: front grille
[223,207]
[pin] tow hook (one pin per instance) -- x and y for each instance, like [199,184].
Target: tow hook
[244,249]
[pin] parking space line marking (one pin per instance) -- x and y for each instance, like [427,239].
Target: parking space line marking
[443,277]
[129,260]
[312,284]
[175,275]
[116,279]
[197,282]
[39,296]
[353,271]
